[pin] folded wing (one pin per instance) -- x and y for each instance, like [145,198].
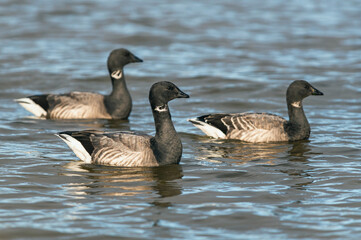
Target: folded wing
[77,105]
[123,149]
[249,127]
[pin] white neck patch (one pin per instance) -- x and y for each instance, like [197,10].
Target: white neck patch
[297,104]
[163,108]
[117,74]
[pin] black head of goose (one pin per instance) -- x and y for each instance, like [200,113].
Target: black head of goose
[87,105]
[263,127]
[130,149]
[298,127]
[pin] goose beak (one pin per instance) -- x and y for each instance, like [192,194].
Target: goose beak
[136,59]
[182,95]
[316,92]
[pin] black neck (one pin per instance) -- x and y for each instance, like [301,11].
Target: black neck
[298,126]
[166,144]
[119,102]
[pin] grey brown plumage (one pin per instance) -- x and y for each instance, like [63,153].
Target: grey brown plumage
[263,127]
[130,149]
[86,105]
[126,149]
[77,105]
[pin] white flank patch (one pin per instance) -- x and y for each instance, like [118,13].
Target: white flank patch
[297,104]
[76,146]
[163,108]
[117,74]
[207,129]
[32,107]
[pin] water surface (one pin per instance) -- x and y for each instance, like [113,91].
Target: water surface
[232,56]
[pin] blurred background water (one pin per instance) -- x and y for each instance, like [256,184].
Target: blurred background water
[230,56]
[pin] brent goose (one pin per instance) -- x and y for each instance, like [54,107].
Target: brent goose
[87,105]
[263,127]
[129,149]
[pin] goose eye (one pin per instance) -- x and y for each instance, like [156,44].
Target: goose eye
[307,87]
[170,88]
[127,54]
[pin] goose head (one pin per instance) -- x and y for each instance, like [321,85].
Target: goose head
[117,59]
[298,90]
[163,92]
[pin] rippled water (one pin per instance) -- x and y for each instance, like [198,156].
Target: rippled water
[230,56]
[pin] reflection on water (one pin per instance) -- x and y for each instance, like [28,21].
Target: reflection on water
[95,124]
[78,124]
[116,124]
[242,152]
[289,158]
[114,181]
[298,151]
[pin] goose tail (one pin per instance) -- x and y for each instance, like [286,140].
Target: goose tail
[32,107]
[208,129]
[75,146]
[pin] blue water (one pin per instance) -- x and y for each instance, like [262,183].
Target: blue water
[229,56]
